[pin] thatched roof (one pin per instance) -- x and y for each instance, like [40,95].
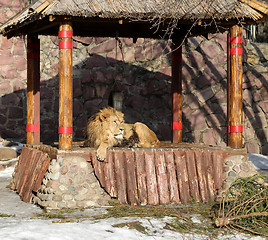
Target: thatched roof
[98,17]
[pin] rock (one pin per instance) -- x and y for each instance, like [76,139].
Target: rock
[7,154]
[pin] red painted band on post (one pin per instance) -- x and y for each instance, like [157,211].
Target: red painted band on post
[65,34]
[32,128]
[176,125]
[176,57]
[233,40]
[65,130]
[33,55]
[235,129]
[235,51]
[66,45]
[33,46]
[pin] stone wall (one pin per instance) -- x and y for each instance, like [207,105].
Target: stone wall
[70,182]
[143,74]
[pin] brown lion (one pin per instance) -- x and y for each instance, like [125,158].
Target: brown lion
[106,129]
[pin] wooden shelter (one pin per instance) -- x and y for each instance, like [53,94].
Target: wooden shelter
[170,19]
[158,176]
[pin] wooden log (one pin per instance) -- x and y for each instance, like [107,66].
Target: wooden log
[153,198]
[192,175]
[228,87]
[182,175]
[98,168]
[176,89]
[236,74]
[141,177]
[172,178]
[26,172]
[109,176]
[201,173]
[132,190]
[208,166]
[33,90]
[65,86]
[18,168]
[162,179]
[26,195]
[120,174]
[44,162]
[217,161]
[23,171]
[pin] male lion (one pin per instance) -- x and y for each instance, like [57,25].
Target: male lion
[104,129]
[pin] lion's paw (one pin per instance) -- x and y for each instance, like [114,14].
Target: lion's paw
[101,154]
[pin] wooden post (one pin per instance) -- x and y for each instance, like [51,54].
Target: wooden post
[176,90]
[33,90]
[65,86]
[228,86]
[235,127]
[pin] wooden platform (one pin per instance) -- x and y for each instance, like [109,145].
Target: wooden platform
[170,174]
[160,176]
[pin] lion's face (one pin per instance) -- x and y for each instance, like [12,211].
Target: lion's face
[114,126]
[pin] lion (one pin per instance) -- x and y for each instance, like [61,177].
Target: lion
[107,128]
[104,129]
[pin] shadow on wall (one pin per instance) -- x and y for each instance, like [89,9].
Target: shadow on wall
[146,99]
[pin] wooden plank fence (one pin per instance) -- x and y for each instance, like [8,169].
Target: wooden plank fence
[30,171]
[160,176]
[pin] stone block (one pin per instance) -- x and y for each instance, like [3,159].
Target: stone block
[247,96]
[77,88]
[6,58]
[88,92]
[104,47]
[84,40]
[8,72]
[129,55]
[157,50]
[20,62]
[18,85]
[99,40]
[191,101]
[15,113]
[3,120]
[252,146]
[102,91]
[46,92]
[19,48]
[214,71]
[6,43]
[139,54]
[264,106]
[210,48]
[5,87]
[211,136]
[96,61]
[148,51]
[188,73]
[194,42]
[7,154]
[197,121]
[77,108]
[196,60]
[205,94]
[136,102]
